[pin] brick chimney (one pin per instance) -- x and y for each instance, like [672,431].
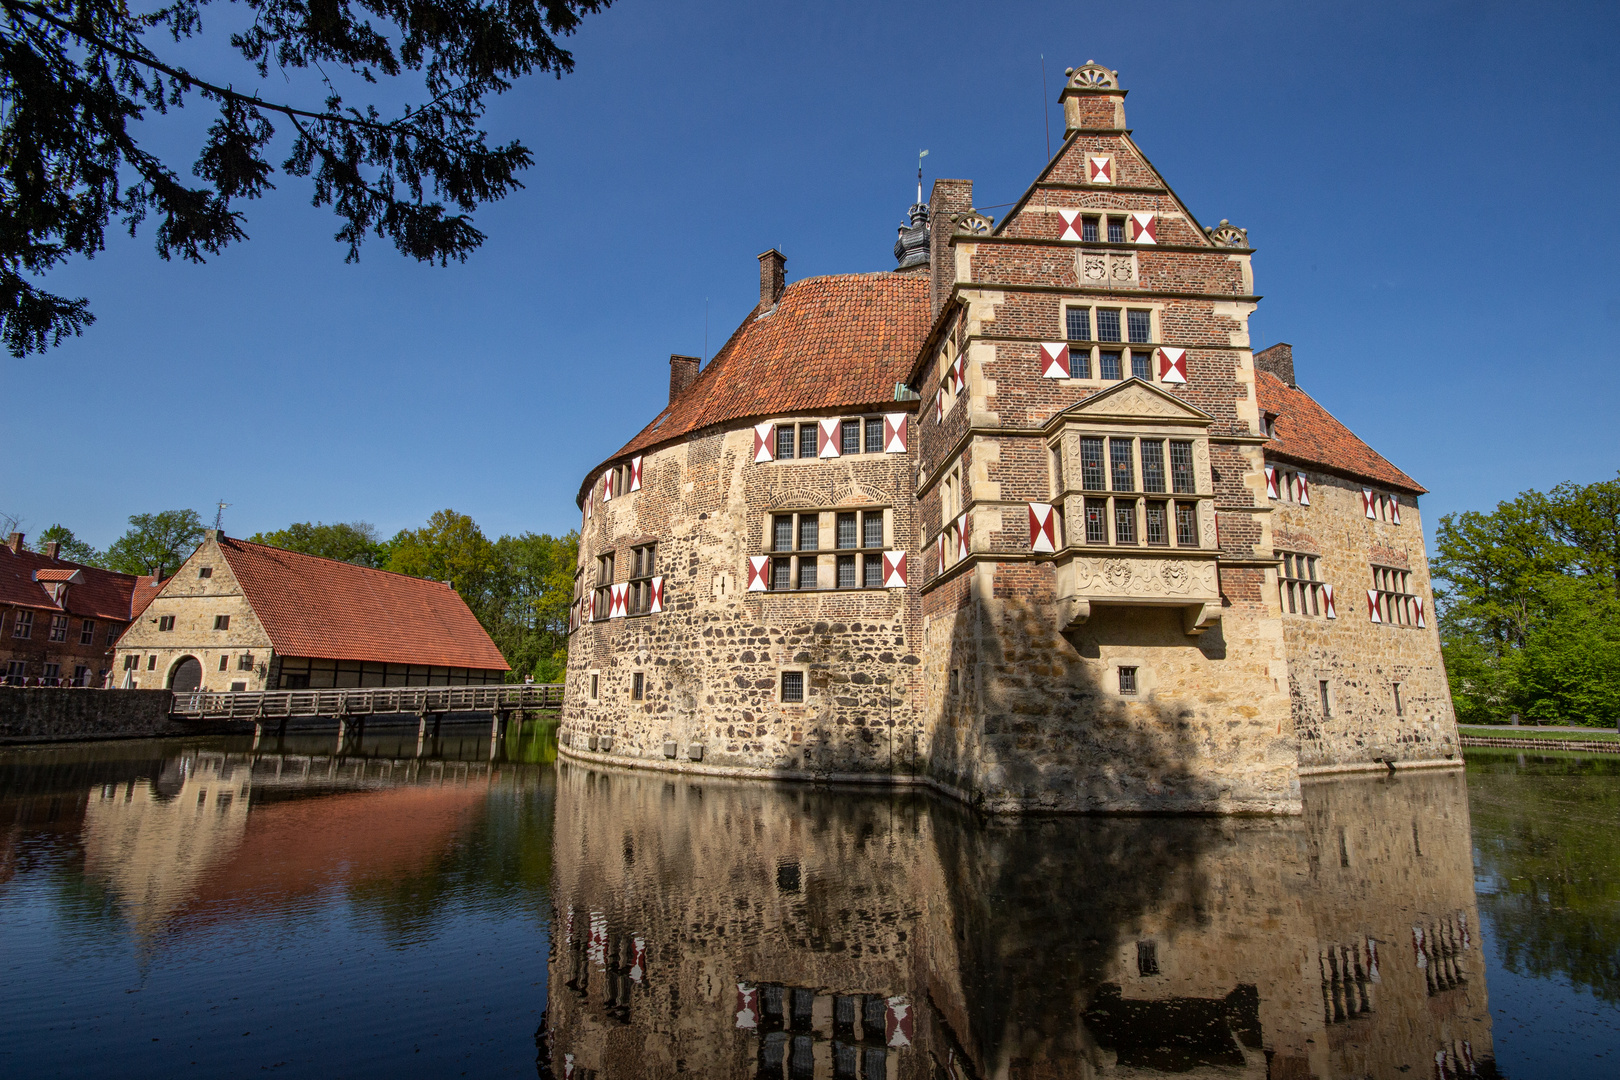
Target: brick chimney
[772,278]
[682,370]
[1092,100]
[15,542]
[53,549]
[1277,359]
[949,199]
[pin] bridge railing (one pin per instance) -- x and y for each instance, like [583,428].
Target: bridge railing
[366,701]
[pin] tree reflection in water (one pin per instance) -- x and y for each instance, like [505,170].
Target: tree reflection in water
[743,930]
[1549,863]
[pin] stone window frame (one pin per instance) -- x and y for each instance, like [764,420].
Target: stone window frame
[1093,346]
[803,671]
[642,569]
[638,686]
[1146,681]
[594,675]
[797,424]
[1304,593]
[827,557]
[1064,451]
[1397,603]
[602,584]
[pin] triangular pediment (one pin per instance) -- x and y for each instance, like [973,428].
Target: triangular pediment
[1134,399]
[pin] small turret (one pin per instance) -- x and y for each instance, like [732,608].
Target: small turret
[911,249]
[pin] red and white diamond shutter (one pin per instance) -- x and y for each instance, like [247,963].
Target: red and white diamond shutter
[1042,527]
[1369,503]
[1172,365]
[758,567]
[1271,482]
[619,600]
[894,433]
[939,553]
[1099,170]
[635,473]
[1417,603]
[1394,510]
[1071,225]
[963,541]
[1055,359]
[894,569]
[897,1022]
[607,486]
[1327,602]
[960,368]
[764,443]
[1304,490]
[939,406]
[1372,607]
[655,601]
[747,1006]
[827,437]
[1144,228]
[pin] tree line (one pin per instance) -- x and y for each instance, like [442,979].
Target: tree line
[519,587]
[1529,603]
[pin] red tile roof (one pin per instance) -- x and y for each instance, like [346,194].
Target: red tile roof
[311,606]
[830,342]
[147,587]
[1309,434]
[100,594]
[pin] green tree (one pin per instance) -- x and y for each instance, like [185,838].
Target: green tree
[73,549]
[352,542]
[156,543]
[1586,520]
[450,547]
[79,77]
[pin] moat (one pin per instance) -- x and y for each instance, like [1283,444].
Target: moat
[457,907]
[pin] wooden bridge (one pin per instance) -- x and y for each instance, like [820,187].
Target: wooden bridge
[421,701]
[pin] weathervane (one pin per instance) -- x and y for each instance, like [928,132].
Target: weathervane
[920,155]
[219,514]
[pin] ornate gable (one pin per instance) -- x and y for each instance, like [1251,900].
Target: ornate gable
[1134,401]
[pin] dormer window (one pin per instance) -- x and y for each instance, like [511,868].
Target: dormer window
[1268,424]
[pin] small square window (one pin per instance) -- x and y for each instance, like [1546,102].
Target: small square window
[784,440]
[165,622]
[1079,320]
[205,571]
[224,662]
[151,662]
[1108,324]
[238,687]
[245,662]
[792,686]
[807,440]
[874,434]
[1139,324]
[1127,680]
[222,622]
[1079,362]
[638,686]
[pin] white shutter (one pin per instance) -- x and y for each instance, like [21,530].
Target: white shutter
[1369,503]
[1042,528]
[635,473]
[1327,600]
[1372,607]
[657,599]
[1271,482]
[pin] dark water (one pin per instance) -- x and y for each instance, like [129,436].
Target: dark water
[182,908]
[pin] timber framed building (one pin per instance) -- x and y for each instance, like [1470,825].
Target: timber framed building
[244,616]
[1025,519]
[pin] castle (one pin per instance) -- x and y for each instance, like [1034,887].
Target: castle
[1025,520]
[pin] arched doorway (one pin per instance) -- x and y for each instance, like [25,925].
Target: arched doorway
[186,676]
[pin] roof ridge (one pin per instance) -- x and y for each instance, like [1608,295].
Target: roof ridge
[327,559]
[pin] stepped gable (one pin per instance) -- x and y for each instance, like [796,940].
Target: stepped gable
[1310,435]
[98,594]
[310,606]
[841,341]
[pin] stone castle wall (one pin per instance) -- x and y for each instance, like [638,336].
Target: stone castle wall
[712,660]
[1361,661]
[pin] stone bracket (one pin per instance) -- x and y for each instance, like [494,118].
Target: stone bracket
[1196,618]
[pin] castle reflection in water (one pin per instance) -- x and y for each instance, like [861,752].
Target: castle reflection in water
[747,930]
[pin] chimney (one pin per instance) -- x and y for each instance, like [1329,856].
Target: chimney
[1277,359]
[682,370]
[772,278]
[948,200]
[14,542]
[53,550]
[1092,100]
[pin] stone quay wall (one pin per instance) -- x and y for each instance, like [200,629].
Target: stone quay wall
[52,714]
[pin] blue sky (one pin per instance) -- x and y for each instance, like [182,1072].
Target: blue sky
[1430,187]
